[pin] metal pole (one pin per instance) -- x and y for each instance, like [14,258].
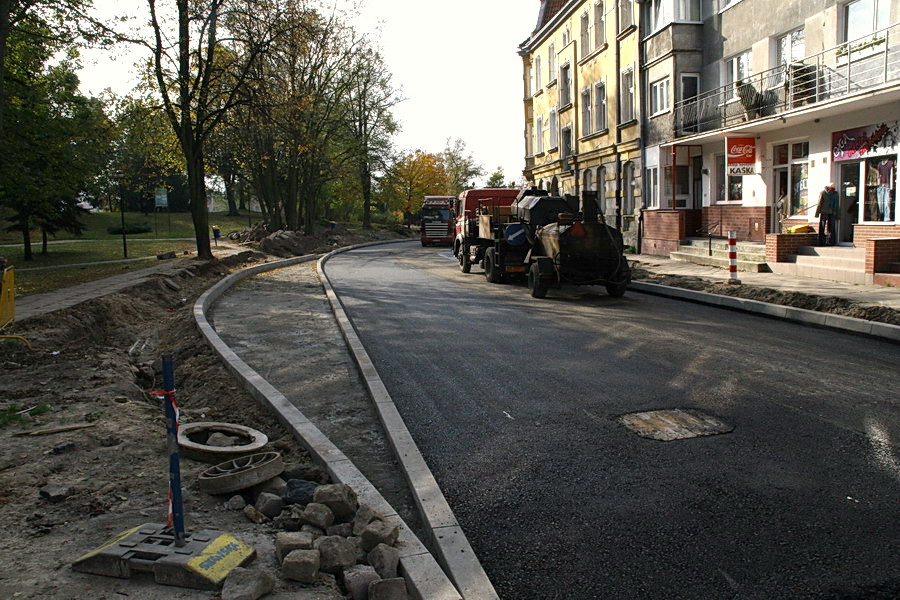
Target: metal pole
[122,211]
[176,505]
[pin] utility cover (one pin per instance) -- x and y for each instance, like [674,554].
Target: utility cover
[204,561]
[674,424]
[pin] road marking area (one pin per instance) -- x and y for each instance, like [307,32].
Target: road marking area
[674,424]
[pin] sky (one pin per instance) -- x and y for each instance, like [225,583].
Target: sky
[455,64]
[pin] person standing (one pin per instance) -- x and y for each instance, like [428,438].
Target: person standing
[828,207]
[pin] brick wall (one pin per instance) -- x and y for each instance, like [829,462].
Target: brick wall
[861,233]
[749,222]
[880,253]
[662,231]
[781,245]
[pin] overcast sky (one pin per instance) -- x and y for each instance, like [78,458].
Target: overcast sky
[455,63]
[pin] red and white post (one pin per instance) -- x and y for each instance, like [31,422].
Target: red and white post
[732,259]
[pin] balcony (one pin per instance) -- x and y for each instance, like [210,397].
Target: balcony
[842,71]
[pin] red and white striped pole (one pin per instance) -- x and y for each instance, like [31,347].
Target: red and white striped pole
[732,258]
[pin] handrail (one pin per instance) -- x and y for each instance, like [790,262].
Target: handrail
[844,69]
[708,229]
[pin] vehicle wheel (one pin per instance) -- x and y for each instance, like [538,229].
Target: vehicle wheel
[536,285]
[192,438]
[241,473]
[465,262]
[456,249]
[616,290]
[491,272]
[424,243]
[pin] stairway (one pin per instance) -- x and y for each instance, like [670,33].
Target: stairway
[751,256]
[836,263]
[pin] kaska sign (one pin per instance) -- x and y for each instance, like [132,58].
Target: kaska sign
[740,155]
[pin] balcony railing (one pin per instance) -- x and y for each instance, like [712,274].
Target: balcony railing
[840,71]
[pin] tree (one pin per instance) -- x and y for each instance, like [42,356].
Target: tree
[411,177]
[201,74]
[496,179]
[370,121]
[459,166]
[56,141]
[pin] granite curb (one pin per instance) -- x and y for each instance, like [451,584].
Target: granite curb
[448,537]
[425,578]
[875,329]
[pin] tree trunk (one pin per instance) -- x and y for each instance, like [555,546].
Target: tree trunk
[229,180]
[241,194]
[26,237]
[43,241]
[196,169]
[365,180]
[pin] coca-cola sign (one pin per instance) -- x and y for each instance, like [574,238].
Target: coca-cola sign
[740,155]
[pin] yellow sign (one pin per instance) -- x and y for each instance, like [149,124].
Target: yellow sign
[8,297]
[220,557]
[110,542]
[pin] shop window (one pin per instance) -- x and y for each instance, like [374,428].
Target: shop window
[881,195]
[791,174]
[729,188]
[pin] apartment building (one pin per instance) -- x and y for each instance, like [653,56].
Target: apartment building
[752,106]
[582,102]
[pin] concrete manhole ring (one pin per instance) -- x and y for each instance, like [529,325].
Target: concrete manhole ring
[192,438]
[241,473]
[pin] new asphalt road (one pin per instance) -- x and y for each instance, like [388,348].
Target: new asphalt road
[516,404]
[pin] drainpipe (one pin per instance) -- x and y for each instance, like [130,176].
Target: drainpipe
[618,74]
[643,83]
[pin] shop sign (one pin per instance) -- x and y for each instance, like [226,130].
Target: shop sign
[873,140]
[740,153]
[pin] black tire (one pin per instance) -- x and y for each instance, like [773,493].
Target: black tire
[465,263]
[536,285]
[424,243]
[616,290]
[491,272]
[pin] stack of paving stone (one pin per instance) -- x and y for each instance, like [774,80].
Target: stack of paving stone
[327,533]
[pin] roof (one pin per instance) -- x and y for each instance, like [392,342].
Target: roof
[548,10]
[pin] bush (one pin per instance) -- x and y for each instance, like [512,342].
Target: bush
[129,229]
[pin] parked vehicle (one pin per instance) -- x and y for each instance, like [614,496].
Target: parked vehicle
[467,206]
[547,240]
[437,226]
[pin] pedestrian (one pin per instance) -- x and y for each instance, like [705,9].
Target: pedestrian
[828,207]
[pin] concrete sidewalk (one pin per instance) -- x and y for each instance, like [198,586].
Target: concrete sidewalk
[865,294]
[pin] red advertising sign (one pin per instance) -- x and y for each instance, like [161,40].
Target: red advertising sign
[865,141]
[740,155]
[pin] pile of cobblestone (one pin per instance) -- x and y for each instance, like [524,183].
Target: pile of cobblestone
[326,536]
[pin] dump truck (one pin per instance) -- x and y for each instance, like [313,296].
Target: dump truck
[468,205]
[437,220]
[549,241]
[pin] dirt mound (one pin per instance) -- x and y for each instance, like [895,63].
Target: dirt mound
[289,243]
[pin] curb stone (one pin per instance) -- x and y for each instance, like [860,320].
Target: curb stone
[804,316]
[425,578]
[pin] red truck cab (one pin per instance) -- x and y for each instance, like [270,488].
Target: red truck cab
[468,202]
[437,220]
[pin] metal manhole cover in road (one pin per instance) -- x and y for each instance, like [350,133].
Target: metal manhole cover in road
[674,424]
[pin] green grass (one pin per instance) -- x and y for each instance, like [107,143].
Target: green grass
[162,225]
[75,252]
[9,414]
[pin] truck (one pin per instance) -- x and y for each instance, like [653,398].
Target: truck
[467,206]
[548,241]
[437,226]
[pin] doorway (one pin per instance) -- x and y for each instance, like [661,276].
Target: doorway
[849,200]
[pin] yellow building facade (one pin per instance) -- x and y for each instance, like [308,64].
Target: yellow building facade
[582,104]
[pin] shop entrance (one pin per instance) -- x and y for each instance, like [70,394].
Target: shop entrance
[849,193]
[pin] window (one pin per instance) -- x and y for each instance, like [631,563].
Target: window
[566,142]
[600,106]
[539,135]
[537,74]
[864,17]
[585,35]
[588,180]
[659,14]
[586,121]
[551,61]
[790,47]
[690,87]
[625,15]
[737,71]
[567,35]
[659,96]
[565,85]
[791,171]
[728,187]
[651,176]
[599,25]
[554,134]
[626,96]
[687,10]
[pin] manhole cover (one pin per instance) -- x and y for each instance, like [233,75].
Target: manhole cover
[675,424]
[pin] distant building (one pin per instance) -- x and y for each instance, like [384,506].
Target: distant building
[582,103]
[807,92]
